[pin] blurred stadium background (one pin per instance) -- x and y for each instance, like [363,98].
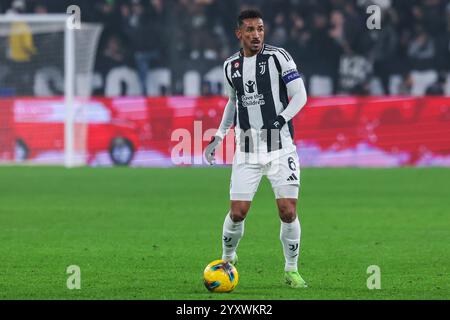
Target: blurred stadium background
[154,66]
[182,42]
[116,91]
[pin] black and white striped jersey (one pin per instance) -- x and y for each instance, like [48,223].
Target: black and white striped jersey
[260,87]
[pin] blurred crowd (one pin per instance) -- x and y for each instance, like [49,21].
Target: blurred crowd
[329,39]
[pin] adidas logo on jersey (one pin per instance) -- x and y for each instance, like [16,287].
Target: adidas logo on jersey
[292,177]
[236,74]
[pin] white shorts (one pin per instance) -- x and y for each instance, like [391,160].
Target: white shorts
[283,174]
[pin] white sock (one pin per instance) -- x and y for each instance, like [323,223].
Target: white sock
[232,233]
[290,238]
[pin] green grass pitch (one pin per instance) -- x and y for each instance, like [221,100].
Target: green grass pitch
[149,233]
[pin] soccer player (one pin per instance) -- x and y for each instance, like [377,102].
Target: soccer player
[259,79]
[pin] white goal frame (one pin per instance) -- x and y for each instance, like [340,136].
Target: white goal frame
[69,76]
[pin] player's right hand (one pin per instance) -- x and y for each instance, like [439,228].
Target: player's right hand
[211,149]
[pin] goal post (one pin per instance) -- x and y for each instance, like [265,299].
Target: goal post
[43,57]
[69,88]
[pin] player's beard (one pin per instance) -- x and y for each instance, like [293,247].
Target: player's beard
[254,48]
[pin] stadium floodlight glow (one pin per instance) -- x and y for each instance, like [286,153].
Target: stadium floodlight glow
[59,51]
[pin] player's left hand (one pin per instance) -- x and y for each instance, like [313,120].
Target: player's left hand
[275,124]
[278,123]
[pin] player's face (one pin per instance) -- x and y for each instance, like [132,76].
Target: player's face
[251,35]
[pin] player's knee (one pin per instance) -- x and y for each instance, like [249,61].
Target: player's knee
[238,215]
[239,211]
[287,211]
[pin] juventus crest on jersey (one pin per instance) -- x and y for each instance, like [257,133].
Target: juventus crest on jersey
[259,83]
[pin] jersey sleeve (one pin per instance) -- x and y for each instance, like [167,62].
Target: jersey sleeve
[230,108]
[289,70]
[228,85]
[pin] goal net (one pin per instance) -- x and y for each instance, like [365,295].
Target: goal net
[46,71]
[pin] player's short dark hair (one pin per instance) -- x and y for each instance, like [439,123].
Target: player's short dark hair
[248,14]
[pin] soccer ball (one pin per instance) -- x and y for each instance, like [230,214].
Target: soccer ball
[220,276]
